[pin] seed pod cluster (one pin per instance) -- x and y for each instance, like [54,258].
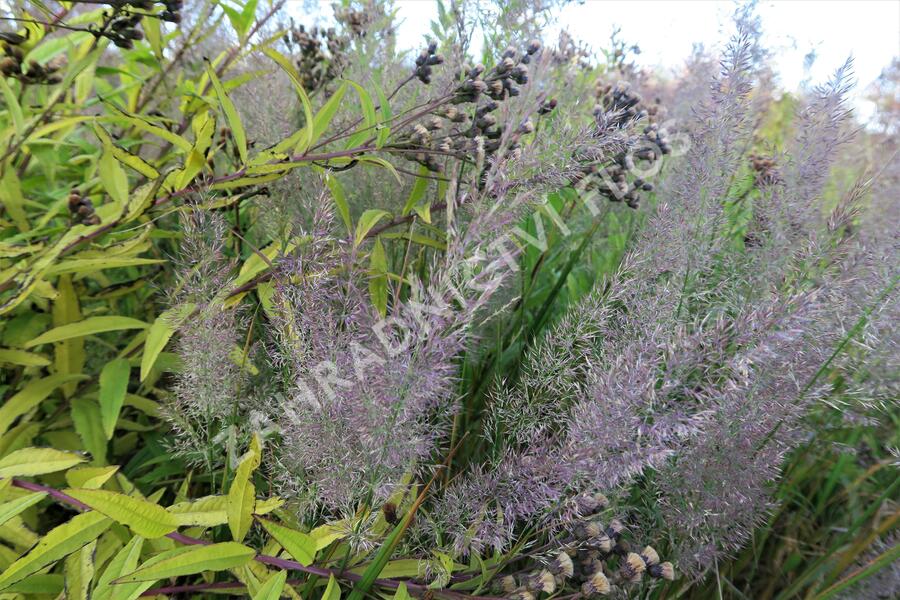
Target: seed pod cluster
[13,63]
[322,54]
[426,59]
[82,209]
[620,107]
[593,558]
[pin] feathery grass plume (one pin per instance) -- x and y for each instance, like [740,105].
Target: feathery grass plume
[206,387]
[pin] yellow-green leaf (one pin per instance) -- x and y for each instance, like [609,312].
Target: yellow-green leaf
[159,334]
[367,221]
[402,593]
[113,387]
[231,114]
[85,415]
[196,559]
[79,568]
[21,357]
[113,177]
[59,542]
[242,494]
[10,509]
[378,288]
[88,326]
[332,590]
[123,562]
[68,355]
[271,587]
[323,118]
[288,68]
[299,545]
[213,510]
[12,199]
[90,478]
[145,518]
[30,396]
[340,200]
[37,461]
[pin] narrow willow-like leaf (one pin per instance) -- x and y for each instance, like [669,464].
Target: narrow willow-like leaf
[242,493]
[145,518]
[231,114]
[323,118]
[60,541]
[90,478]
[37,461]
[30,396]
[113,387]
[271,587]
[213,510]
[196,559]
[159,334]
[288,68]
[123,562]
[332,590]
[68,355]
[378,286]
[89,326]
[340,200]
[21,357]
[401,593]
[10,509]
[299,545]
[367,221]
[85,415]
[79,568]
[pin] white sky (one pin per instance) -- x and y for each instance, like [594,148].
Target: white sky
[666,30]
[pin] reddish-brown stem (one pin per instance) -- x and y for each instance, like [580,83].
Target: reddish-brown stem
[281,563]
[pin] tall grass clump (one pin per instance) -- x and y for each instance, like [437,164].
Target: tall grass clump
[290,311]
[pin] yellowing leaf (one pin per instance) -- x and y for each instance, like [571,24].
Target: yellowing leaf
[37,461]
[378,288]
[86,327]
[85,415]
[23,358]
[145,518]
[402,593]
[123,562]
[113,387]
[195,559]
[242,494]
[68,355]
[288,68]
[231,114]
[340,200]
[271,587]
[79,567]
[299,545]
[90,478]
[213,510]
[367,221]
[10,509]
[159,334]
[30,396]
[323,118]
[332,590]
[113,177]
[59,542]
[12,199]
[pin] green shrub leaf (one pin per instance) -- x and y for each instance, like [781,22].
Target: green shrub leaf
[271,587]
[113,387]
[192,560]
[299,545]
[145,518]
[242,494]
[88,326]
[59,542]
[37,461]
